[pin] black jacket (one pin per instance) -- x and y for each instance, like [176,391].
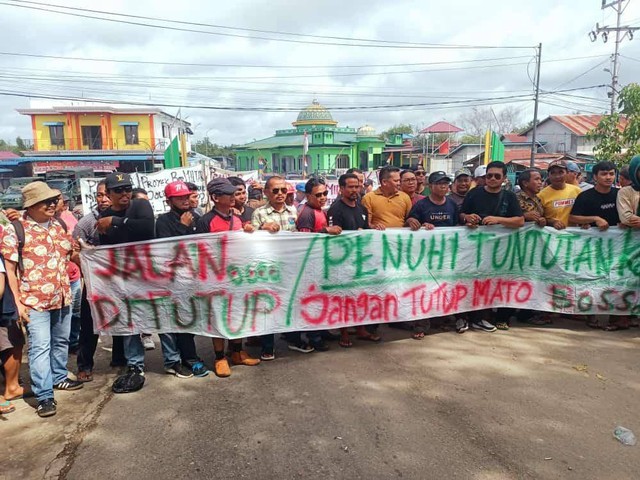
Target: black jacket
[168,225]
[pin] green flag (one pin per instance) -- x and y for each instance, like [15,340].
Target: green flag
[497,148]
[172,155]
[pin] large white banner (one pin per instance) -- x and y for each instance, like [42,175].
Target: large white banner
[154,184]
[236,284]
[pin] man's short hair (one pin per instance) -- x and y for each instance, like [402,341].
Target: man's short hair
[312,183]
[191,186]
[604,166]
[385,172]
[526,176]
[354,170]
[342,181]
[139,191]
[624,172]
[236,181]
[404,172]
[271,179]
[104,182]
[497,164]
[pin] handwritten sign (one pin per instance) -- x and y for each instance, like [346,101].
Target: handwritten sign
[236,284]
[154,184]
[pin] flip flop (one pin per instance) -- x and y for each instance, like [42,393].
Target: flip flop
[7,407]
[20,397]
[347,344]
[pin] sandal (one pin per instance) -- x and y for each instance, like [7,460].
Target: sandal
[419,335]
[7,407]
[502,326]
[372,337]
[85,376]
[345,343]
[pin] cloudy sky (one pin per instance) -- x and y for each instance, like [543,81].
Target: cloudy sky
[239,60]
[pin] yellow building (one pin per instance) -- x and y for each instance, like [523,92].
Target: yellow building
[100,136]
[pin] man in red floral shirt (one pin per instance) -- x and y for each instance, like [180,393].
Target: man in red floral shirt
[38,279]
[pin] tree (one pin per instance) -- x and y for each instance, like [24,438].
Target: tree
[478,120]
[404,128]
[614,139]
[210,149]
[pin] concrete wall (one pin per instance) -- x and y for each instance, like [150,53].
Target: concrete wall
[559,139]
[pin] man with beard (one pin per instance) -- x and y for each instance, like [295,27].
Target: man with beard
[179,221]
[127,221]
[348,214]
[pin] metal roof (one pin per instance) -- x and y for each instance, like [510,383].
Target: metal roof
[580,125]
[441,127]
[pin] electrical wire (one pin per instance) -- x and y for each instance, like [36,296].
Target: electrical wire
[94,14]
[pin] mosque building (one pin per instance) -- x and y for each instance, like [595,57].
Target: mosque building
[330,147]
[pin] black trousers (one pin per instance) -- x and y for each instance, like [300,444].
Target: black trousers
[88,341]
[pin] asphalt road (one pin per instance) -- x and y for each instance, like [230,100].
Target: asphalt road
[529,403]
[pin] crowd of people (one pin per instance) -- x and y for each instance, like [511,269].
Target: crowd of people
[44,298]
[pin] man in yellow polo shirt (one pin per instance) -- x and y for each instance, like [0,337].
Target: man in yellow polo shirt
[387,206]
[558,198]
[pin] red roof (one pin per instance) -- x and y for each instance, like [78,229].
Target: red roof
[515,138]
[441,127]
[583,124]
[8,155]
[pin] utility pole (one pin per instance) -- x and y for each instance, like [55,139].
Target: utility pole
[619,7]
[532,162]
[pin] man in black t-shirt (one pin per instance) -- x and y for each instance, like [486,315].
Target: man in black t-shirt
[348,213]
[597,206]
[130,221]
[491,205]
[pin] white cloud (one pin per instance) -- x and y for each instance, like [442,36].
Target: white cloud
[562,28]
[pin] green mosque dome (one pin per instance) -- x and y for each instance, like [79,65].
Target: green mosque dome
[314,114]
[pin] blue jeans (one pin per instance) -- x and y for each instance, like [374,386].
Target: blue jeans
[76,302]
[48,349]
[134,350]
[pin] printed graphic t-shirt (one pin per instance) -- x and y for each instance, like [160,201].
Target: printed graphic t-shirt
[445,215]
[557,204]
[591,202]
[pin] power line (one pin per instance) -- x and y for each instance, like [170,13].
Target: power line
[94,14]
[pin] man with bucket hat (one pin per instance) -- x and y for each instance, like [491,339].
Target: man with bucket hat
[37,249]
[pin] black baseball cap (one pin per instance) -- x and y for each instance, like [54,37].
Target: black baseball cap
[117,179]
[438,176]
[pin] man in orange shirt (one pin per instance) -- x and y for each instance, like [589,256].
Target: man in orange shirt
[387,206]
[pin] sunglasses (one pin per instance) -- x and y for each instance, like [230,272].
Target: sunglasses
[497,176]
[126,189]
[276,191]
[322,194]
[51,201]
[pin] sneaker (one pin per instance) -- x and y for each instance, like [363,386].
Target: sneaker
[131,381]
[147,342]
[319,346]
[199,369]
[484,326]
[68,384]
[301,347]
[243,358]
[221,368]
[46,408]
[267,356]
[179,370]
[461,325]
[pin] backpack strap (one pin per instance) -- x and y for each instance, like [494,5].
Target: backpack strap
[19,228]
